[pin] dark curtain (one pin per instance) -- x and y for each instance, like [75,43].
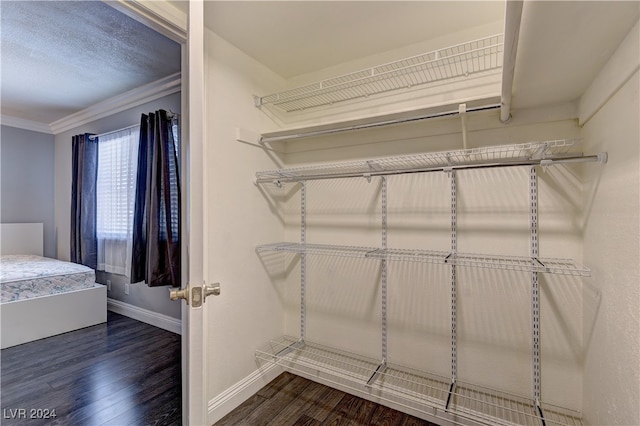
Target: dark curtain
[84,242]
[156,220]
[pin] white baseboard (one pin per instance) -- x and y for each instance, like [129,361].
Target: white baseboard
[231,398]
[165,322]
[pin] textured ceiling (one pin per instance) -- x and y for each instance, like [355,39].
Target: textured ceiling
[59,57]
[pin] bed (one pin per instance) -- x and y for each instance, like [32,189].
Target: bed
[42,297]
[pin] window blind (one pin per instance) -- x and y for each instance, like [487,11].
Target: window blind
[116,188]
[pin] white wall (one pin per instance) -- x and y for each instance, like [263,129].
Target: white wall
[612,250]
[155,299]
[238,217]
[494,319]
[27,181]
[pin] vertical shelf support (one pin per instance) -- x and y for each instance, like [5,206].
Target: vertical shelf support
[303,276]
[454,250]
[383,285]
[535,292]
[383,276]
[303,261]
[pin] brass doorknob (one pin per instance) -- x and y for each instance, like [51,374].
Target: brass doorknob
[179,293]
[211,290]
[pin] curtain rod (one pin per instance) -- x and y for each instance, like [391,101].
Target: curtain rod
[170,114]
[92,137]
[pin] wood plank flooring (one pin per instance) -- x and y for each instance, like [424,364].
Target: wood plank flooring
[123,372]
[291,400]
[126,372]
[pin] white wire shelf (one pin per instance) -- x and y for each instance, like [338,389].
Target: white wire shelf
[410,255]
[418,390]
[532,153]
[509,263]
[461,60]
[318,249]
[518,263]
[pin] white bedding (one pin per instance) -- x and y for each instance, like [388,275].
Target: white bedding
[29,276]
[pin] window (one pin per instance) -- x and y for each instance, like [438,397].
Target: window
[173,189]
[116,191]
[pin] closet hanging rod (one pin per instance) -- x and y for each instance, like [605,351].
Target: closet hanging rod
[599,158]
[513,17]
[269,139]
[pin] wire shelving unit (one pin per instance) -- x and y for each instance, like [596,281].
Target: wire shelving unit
[417,390]
[445,398]
[452,62]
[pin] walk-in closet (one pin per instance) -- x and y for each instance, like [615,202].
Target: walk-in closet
[447,226]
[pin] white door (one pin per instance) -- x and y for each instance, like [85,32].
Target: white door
[194,401]
[174,23]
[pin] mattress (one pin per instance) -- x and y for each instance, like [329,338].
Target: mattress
[28,276]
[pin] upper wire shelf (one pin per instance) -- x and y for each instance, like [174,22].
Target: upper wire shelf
[484,54]
[505,155]
[488,261]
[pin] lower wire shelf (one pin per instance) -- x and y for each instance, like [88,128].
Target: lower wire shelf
[416,390]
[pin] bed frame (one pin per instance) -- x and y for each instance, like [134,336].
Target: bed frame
[26,320]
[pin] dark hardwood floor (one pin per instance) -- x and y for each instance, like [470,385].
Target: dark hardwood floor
[291,400]
[124,372]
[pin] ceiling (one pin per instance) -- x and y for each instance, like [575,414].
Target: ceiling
[563,45]
[297,37]
[59,57]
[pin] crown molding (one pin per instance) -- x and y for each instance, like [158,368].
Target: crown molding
[138,96]
[161,16]
[21,123]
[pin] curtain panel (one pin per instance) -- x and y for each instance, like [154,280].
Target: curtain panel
[84,244]
[156,221]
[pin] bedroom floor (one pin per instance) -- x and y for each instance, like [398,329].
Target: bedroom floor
[118,373]
[126,372]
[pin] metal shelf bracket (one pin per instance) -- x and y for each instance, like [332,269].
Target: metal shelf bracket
[383,281]
[462,111]
[454,303]
[303,261]
[535,286]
